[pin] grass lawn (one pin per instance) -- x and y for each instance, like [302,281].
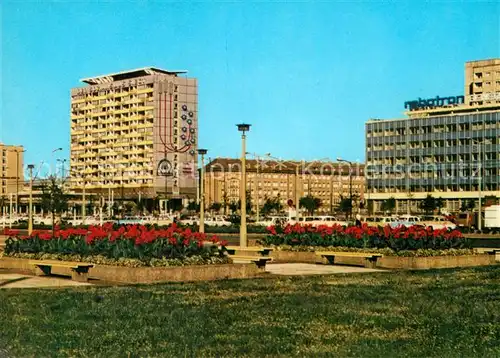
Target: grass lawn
[439,313]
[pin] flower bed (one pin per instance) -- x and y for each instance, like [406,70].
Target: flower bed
[132,245]
[396,239]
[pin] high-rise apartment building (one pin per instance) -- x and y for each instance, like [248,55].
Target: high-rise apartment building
[135,133]
[482,83]
[449,147]
[286,180]
[11,174]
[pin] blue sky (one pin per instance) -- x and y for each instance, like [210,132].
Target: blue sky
[307,76]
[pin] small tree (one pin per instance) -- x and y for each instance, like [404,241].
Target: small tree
[233,207]
[310,203]
[428,205]
[271,205]
[388,205]
[345,205]
[193,206]
[439,203]
[53,199]
[468,205]
[215,207]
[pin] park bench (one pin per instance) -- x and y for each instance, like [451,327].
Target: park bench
[370,258]
[258,260]
[264,251]
[79,270]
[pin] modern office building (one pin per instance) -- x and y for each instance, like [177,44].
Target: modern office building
[287,180]
[11,174]
[134,133]
[449,147]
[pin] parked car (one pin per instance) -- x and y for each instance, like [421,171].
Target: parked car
[437,222]
[317,220]
[190,220]
[381,221]
[216,221]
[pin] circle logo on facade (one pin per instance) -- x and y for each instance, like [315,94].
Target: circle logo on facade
[191,114]
[184,107]
[184,117]
[165,168]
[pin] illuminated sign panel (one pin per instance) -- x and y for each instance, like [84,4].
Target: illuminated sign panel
[434,102]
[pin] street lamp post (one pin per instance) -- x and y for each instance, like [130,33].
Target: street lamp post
[52,160]
[202,153]
[30,214]
[350,183]
[84,214]
[479,184]
[243,128]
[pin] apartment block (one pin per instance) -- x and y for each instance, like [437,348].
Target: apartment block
[288,180]
[135,133]
[482,83]
[11,174]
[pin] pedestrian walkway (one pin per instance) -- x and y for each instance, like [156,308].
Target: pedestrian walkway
[312,269]
[14,280]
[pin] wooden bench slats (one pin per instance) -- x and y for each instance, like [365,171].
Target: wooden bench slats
[370,258]
[79,270]
[258,260]
[347,254]
[61,263]
[250,248]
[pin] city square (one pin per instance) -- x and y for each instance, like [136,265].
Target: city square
[242,179]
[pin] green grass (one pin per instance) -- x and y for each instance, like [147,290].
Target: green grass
[439,313]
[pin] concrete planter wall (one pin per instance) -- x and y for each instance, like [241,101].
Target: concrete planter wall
[395,262]
[435,261]
[122,274]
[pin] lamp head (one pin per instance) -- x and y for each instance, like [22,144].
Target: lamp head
[31,166]
[243,127]
[339,159]
[202,151]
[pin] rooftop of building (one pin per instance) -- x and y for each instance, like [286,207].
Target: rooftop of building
[125,75]
[489,61]
[232,165]
[440,112]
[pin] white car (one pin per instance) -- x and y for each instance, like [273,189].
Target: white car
[191,220]
[437,222]
[317,221]
[217,221]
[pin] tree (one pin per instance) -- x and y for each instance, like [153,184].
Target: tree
[310,203]
[345,205]
[271,205]
[388,205]
[233,207]
[215,207]
[439,203]
[193,206]
[468,205]
[428,205]
[53,199]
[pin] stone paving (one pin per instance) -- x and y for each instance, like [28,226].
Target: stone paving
[312,269]
[14,280]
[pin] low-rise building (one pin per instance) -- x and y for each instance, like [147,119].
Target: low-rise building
[286,180]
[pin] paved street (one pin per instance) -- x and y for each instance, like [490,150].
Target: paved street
[14,280]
